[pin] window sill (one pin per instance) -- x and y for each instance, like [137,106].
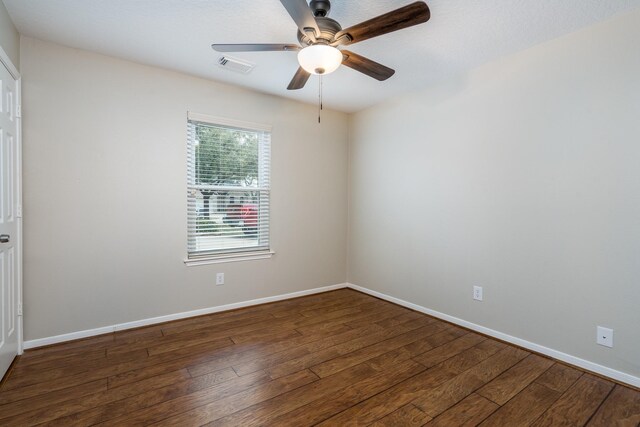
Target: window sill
[217,259]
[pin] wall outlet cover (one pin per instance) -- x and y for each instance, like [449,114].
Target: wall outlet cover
[220,279]
[477,293]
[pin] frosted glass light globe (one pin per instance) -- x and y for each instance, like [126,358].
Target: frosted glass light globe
[320,59]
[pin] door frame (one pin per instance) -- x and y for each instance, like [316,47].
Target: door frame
[6,62]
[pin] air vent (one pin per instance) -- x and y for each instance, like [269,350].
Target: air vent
[235,64]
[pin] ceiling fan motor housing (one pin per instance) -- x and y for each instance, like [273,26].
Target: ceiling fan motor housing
[328,29]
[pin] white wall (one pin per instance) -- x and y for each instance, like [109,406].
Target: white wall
[9,37]
[523,177]
[105,193]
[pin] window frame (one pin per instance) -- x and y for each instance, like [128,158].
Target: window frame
[231,254]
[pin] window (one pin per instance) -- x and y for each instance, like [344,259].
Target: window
[228,170]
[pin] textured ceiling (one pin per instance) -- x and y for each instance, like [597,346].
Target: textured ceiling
[176,34]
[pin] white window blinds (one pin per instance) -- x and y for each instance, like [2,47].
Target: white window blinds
[228,170]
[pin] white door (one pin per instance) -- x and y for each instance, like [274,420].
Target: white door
[9,296]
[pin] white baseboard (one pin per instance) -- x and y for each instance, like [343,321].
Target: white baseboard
[161,319]
[621,377]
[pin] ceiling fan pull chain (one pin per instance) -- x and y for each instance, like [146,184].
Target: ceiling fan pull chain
[319,96]
[321,100]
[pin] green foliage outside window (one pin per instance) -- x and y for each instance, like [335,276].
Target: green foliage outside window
[224,157]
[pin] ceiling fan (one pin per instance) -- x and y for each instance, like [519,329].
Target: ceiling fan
[320,37]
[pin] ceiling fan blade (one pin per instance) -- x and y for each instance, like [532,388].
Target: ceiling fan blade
[366,66]
[303,17]
[299,79]
[413,14]
[257,47]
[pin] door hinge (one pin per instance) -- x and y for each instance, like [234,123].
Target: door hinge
[19,111]
[19,211]
[19,309]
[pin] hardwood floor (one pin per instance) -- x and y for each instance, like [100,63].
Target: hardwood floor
[332,359]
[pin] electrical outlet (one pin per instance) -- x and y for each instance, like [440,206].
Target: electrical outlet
[477,293]
[219,279]
[605,336]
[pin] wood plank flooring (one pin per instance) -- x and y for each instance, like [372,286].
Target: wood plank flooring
[332,359]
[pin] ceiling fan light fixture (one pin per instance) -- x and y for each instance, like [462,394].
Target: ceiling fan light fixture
[320,59]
